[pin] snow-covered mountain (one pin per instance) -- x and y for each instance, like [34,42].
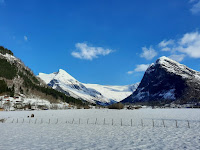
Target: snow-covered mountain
[101,94]
[166,81]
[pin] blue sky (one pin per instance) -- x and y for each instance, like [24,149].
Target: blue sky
[101,41]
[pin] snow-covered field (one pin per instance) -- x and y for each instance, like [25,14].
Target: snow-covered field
[66,131]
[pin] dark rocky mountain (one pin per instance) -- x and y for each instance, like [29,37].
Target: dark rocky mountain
[166,81]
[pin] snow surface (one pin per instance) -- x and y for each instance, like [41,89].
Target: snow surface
[63,81]
[39,134]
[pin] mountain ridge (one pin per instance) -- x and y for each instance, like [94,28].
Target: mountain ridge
[90,92]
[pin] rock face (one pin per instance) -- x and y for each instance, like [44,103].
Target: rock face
[166,81]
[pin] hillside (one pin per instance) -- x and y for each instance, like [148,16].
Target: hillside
[16,79]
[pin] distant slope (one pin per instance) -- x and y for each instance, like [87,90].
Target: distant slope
[166,81]
[94,93]
[116,93]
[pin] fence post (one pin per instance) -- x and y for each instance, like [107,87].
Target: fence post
[131,123]
[73,121]
[13,121]
[153,122]
[96,121]
[104,121]
[163,123]
[112,122]
[121,122]
[176,124]
[87,120]
[23,120]
[57,121]
[17,120]
[49,120]
[41,121]
[79,121]
[188,124]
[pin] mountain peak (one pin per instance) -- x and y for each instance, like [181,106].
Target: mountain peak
[165,59]
[62,73]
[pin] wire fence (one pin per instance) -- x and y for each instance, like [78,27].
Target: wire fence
[165,123]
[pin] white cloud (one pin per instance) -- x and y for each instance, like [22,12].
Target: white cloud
[25,38]
[187,45]
[166,49]
[130,72]
[177,58]
[196,8]
[83,51]
[139,68]
[190,44]
[148,53]
[165,43]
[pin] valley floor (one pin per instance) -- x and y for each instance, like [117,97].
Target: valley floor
[87,129]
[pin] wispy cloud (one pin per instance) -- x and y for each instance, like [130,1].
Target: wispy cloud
[190,44]
[25,38]
[83,51]
[177,58]
[165,43]
[196,7]
[148,53]
[139,68]
[187,45]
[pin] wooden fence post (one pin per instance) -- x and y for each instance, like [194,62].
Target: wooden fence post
[163,123]
[176,124]
[188,124]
